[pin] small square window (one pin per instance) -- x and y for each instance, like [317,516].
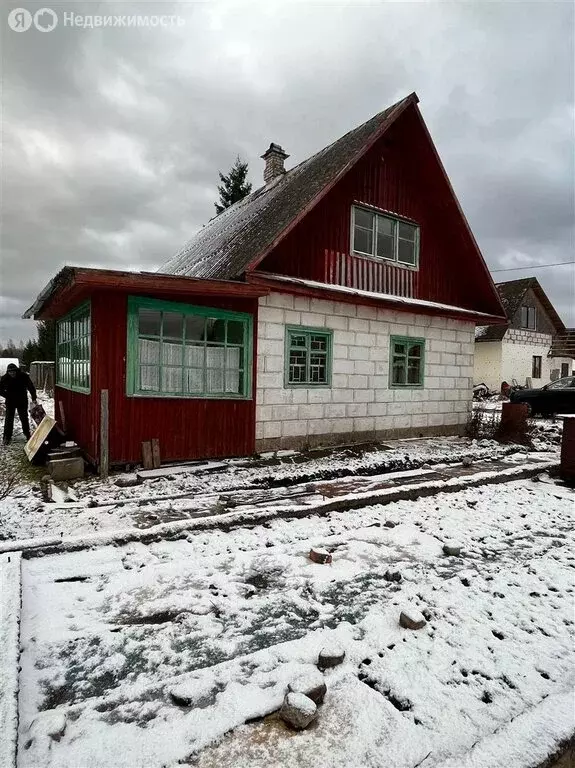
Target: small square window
[308,357]
[407,362]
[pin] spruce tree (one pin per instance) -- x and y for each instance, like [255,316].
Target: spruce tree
[234,186]
[46,340]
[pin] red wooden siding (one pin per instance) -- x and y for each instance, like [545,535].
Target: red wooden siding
[400,174]
[187,428]
[82,418]
[369,274]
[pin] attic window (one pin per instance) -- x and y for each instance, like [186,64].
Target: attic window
[384,237]
[529,318]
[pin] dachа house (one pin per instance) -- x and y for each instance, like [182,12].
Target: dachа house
[336,303]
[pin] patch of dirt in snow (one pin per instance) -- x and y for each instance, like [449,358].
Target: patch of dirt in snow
[233,609]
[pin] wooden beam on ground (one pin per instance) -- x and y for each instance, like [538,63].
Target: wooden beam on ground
[104,432]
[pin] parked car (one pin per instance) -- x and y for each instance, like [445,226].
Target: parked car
[556,397]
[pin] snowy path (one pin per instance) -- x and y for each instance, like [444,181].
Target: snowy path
[105,507]
[229,618]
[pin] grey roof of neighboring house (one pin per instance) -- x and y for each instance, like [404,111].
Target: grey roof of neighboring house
[512,294]
[229,242]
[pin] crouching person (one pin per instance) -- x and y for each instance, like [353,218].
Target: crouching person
[14,388]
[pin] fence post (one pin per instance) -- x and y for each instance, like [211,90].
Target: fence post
[104,453]
[567,466]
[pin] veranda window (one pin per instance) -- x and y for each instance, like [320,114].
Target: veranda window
[179,350]
[73,349]
[407,361]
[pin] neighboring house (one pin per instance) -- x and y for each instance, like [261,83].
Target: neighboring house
[336,303]
[522,350]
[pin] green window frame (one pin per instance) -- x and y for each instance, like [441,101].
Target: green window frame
[73,349]
[308,357]
[406,362]
[186,351]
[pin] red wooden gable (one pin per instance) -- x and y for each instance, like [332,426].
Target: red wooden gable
[400,173]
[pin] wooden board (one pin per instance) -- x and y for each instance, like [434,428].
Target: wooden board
[147,460]
[156,462]
[40,435]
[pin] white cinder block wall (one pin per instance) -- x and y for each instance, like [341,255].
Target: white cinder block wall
[518,349]
[359,403]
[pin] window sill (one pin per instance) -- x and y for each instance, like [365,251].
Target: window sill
[79,390]
[287,385]
[390,262]
[407,386]
[167,396]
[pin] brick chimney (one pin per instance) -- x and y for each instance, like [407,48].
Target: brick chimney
[274,157]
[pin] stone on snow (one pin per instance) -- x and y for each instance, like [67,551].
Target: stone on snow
[127,481]
[311,684]
[330,657]
[411,618]
[321,556]
[298,710]
[452,549]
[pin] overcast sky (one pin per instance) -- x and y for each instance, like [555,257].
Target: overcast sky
[113,137]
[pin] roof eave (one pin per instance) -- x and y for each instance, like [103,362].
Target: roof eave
[85,279]
[344,294]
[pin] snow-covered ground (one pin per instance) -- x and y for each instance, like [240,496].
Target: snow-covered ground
[106,507]
[149,655]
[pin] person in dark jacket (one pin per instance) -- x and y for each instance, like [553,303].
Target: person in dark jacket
[14,388]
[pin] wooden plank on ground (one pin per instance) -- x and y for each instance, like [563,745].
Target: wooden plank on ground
[147,460]
[166,471]
[156,462]
[39,435]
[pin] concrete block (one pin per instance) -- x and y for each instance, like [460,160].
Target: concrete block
[66,469]
[344,337]
[363,367]
[270,315]
[359,353]
[358,324]
[322,395]
[364,424]
[343,366]
[271,363]
[272,429]
[356,410]
[310,411]
[312,319]
[363,396]
[292,317]
[301,303]
[284,300]
[368,313]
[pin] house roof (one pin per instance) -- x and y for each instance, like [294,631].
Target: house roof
[73,284]
[236,238]
[512,294]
